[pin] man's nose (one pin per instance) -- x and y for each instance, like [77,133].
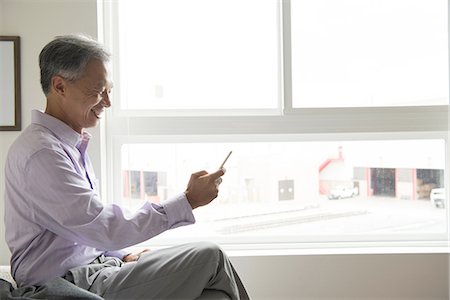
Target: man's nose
[105,99]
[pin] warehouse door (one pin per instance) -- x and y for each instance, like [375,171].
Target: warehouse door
[383,182]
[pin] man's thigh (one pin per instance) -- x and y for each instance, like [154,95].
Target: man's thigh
[180,272]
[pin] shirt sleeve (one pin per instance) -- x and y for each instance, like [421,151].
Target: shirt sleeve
[120,254]
[64,203]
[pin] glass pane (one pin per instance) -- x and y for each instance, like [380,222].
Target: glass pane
[198,54]
[367,53]
[295,190]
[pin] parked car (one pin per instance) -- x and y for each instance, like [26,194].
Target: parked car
[437,197]
[343,192]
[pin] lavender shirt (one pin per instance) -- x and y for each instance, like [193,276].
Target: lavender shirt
[54,217]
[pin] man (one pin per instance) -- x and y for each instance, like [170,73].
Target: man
[56,224]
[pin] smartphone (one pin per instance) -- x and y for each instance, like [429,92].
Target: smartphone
[225,160]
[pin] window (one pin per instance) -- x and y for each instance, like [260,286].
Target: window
[335,138]
[287,191]
[369,53]
[197,55]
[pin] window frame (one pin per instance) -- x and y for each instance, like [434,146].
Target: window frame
[110,12]
[308,124]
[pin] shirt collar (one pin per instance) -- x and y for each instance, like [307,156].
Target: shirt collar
[60,129]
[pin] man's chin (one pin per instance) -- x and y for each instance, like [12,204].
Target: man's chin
[92,122]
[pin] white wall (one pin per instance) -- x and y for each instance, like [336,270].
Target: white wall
[346,277]
[393,276]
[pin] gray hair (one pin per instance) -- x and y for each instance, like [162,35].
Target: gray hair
[67,56]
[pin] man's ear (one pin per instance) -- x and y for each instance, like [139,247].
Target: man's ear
[59,85]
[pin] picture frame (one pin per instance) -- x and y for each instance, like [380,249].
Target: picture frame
[10,91]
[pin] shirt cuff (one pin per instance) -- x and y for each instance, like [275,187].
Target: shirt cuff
[178,211]
[118,253]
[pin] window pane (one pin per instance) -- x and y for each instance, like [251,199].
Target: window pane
[295,190]
[198,54]
[366,53]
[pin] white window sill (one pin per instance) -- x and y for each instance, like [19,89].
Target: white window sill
[255,250]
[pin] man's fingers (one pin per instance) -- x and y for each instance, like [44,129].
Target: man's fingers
[203,187]
[219,173]
[199,173]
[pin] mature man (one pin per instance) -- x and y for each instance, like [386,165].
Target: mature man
[56,224]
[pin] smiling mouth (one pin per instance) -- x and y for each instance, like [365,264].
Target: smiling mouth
[97,114]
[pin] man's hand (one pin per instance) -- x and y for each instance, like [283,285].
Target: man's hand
[203,187]
[134,256]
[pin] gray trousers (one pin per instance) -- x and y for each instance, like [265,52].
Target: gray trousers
[190,271]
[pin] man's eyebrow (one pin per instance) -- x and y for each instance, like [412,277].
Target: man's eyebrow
[103,84]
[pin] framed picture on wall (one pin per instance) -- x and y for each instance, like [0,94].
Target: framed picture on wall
[10,102]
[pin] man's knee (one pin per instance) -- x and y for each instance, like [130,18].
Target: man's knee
[208,251]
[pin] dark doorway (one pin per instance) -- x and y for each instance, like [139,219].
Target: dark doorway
[428,179]
[428,176]
[383,182]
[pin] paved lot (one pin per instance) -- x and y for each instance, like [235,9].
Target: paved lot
[355,215]
[352,219]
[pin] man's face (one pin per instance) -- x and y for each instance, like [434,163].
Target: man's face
[87,98]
